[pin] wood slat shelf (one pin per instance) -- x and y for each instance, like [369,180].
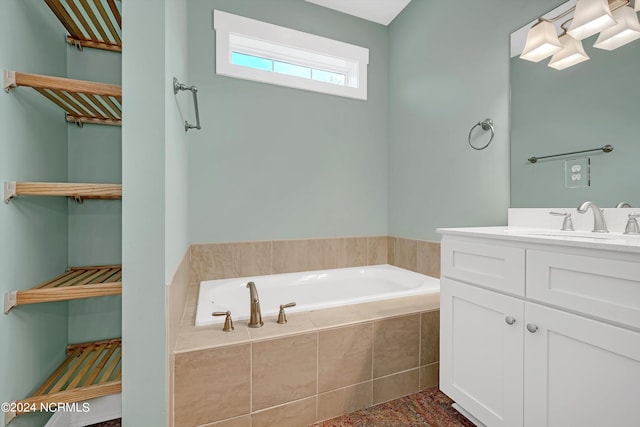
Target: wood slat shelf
[75,283]
[83,101]
[91,23]
[90,370]
[77,191]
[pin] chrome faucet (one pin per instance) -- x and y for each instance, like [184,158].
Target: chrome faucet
[599,225]
[623,205]
[255,320]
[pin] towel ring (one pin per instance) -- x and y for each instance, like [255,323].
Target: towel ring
[487,124]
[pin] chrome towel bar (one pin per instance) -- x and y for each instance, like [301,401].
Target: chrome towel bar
[607,149]
[177,87]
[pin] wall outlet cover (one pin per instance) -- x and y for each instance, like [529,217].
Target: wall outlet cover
[577,172]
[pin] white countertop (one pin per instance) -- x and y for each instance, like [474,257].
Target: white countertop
[582,239]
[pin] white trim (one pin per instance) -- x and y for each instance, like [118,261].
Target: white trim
[253,37]
[90,412]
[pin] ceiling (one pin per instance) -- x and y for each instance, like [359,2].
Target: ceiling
[380,11]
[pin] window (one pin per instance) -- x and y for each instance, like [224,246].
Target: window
[254,50]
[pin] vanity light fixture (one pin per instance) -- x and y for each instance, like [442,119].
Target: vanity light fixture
[542,42]
[590,17]
[625,31]
[572,53]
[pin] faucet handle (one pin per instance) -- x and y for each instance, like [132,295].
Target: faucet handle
[282,317]
[228,322]
[632,225]
[567,223]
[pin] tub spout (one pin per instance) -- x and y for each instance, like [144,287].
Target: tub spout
[255,320]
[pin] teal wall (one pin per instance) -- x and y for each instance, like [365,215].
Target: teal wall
[34,231]
[154,226]
[449,69]
[277,163]
[586,106]
[95,237]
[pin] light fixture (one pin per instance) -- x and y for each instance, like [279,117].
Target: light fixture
[590,17]
[572,53]
[625,31]
[542,42]
[637,6]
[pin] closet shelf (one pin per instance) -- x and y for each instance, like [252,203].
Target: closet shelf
[76,191]
[83,101]
[90,370]
[75,283]
[91,23]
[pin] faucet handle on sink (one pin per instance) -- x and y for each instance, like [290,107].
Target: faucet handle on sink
[567,223]
[632,225]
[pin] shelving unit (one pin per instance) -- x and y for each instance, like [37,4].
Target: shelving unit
[90,370]
[83,101]
[96,24]
[75,283]
[76,191]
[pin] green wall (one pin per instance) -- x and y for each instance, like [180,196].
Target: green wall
[449,69]
[95,238]
[33,231]
[277,163]
[586,106]
[154,223]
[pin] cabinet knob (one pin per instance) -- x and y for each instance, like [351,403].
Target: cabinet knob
[510,320]
[532,328]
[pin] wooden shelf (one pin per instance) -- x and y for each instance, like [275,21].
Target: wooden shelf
[83,101]
[90,370]
[91,23]
[75,283]
[79,192]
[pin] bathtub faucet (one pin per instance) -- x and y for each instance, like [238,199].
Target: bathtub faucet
[255,321]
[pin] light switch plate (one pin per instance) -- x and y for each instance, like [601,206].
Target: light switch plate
[577,172]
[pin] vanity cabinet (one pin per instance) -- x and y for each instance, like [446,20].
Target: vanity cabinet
[557,343]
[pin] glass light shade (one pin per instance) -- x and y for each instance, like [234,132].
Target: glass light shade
[542,42]
[625,31]
[572,53]
[590,17]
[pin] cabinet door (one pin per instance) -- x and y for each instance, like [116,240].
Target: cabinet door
[579,372]
[481,352]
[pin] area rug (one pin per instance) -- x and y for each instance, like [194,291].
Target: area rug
[428,408]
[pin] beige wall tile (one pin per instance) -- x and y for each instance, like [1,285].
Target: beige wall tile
[284,370]
[243,421]
[430,337]
[344,356]
[428,258]
[345,400]
[294,414]
[396,345]
[252,258]
[395,386]
[429,376]
[377,250]
[324,253]
[406,254]
[354,252]
[290,256]
[212,261]
[391,250]
[212,385]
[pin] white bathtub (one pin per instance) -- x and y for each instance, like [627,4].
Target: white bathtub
[311,290]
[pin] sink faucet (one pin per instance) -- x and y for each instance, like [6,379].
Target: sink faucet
[255,320]
[599,225]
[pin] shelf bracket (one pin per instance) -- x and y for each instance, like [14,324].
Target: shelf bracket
[9,80]
[9,416]
[10,191]
[10,301]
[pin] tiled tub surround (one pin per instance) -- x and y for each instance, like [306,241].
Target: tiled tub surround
[322,363]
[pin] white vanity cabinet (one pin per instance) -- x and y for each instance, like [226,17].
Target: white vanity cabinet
[535,335]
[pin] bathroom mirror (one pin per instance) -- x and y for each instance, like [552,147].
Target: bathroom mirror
[588,105]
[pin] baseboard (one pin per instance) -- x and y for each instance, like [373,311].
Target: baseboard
[89,412]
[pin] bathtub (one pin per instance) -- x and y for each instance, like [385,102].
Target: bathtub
[310,290]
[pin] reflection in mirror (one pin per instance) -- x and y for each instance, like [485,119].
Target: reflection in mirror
[585,106]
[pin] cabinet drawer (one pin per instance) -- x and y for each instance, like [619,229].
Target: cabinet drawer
[605,288]
[492,266]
